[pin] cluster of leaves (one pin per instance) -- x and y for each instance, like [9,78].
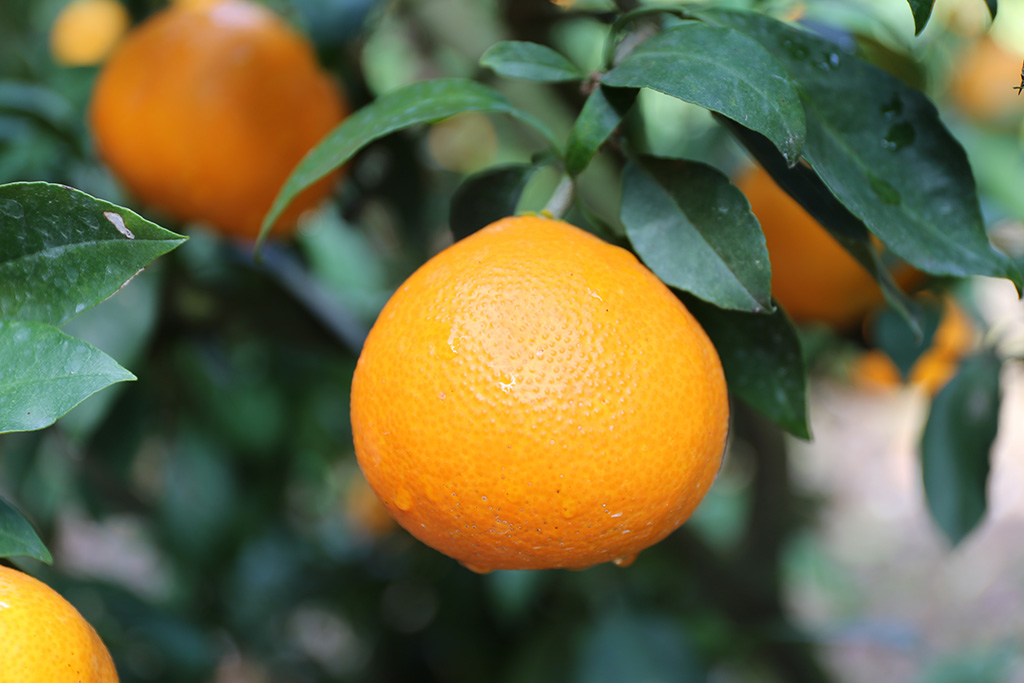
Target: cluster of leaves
[61,253]
[863,152]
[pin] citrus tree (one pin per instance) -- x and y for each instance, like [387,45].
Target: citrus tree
[766,186]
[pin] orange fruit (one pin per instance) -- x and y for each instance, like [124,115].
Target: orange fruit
[982,85]
[85,31]
[533,397]
[43,638]
[205,108]
[813,276]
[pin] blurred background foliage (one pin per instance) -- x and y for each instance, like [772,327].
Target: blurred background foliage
[210,519]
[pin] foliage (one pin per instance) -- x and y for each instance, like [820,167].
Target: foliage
[230,461]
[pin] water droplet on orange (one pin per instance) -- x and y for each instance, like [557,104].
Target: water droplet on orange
[403,500]
[624,561]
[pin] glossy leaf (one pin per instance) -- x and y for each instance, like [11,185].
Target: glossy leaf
[601,115]
[484,197]
[881,149]
[724,71]
[694,229]
[530,61]
[63,251]
[17,537]
[801,183]
[763,362]
[957,441]
[922,10]
[423,102]
[44,373]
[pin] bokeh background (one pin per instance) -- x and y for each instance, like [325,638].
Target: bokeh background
[210,519]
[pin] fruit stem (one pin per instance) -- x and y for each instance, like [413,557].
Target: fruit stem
[561,199]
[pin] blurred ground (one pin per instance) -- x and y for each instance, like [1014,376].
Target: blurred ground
[877,580]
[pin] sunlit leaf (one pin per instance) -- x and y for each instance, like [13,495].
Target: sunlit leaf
[530,61]
[62,251]
[44,373]
[956,445]
[694,229]
[17,537]
[423,102]
[724,71]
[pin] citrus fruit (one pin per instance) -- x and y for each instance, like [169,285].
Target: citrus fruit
[982,85]
[206,107]
[533,397]
[85,31]
[813,276]
[43,638]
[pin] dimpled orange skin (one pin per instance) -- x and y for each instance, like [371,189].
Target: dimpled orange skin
[533,397]
[205,108]
[813,276]
[43,638]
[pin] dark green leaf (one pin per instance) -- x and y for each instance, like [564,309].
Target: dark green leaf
[801,183]
[62,251]
[881,149]
[762,360]
[521,59]
[724,71]
[992,6]
[484,197]
[601,115]
[44,373]
[422,102]
[17,537]
[889,332]
[922,10]
[694,229]
[955,448]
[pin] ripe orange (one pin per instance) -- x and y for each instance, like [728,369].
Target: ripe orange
[982,86]
[813,276]
[85,31]
[43,638]
[206,107]
[533,397]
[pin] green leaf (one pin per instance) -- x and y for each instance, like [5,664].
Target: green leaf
[957,440]
[801,183]
[521,59]
[422,102]
[922,10]
[694,229]
[881,149]
[992,6]
[889,333]
[601,115]
[44,373]
[63,251]
[487,196]
[762,359]
[17,537]
[724,71]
